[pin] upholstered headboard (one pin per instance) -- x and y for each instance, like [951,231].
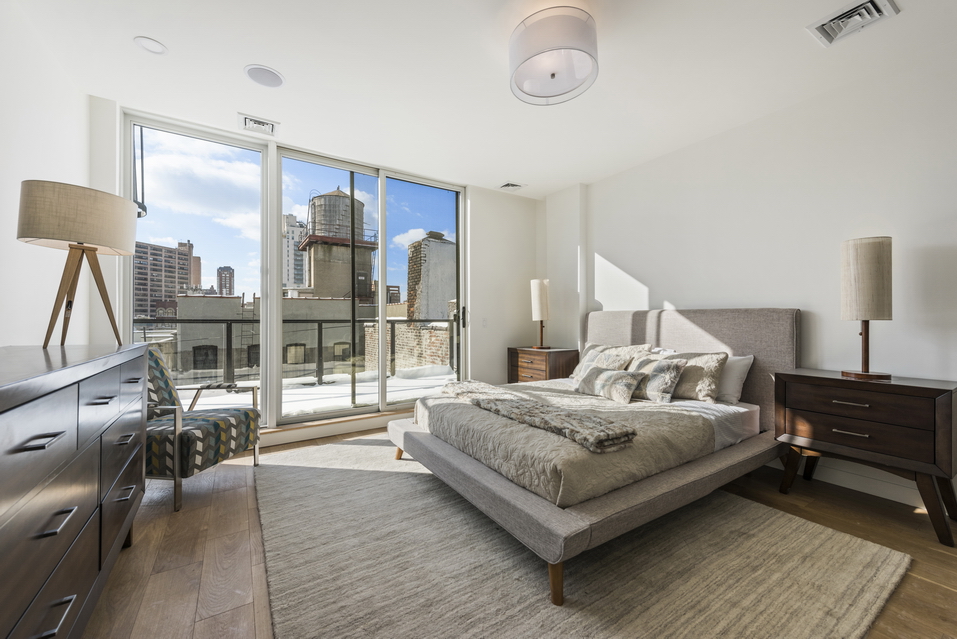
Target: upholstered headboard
[772,335]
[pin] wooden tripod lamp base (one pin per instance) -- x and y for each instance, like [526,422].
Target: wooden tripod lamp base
[67,291]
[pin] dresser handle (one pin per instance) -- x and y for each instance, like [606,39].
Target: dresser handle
[56,531]
[52,437]
[103,401]
[837,401]
[529,376]
[526,361]
[132,490]
[123,442]
[847,432]
[68,601]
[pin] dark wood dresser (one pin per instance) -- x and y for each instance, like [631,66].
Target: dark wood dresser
[537,364]
[904,426]
[73,437]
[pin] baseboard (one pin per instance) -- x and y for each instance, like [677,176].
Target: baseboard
[329,428]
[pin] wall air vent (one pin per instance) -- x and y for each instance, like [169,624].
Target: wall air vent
[512,186]
[851,19]
[257,125]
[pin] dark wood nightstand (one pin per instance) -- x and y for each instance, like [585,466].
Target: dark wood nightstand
[537,364]
[904,426]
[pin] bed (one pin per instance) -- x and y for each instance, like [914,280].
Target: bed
[556,533]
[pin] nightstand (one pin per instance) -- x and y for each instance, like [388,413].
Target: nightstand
[537,364]
[904,426]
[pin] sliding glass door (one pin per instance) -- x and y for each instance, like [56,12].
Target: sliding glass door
[330,245]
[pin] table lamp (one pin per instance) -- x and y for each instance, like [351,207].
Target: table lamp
[540,309]
[866,292]
[84,222]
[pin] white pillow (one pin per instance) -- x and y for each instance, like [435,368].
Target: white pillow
[732,378]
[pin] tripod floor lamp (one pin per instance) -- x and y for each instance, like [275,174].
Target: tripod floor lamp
[83,221]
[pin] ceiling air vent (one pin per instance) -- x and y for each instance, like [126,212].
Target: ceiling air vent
[257,125]
[512,186]
[851,19]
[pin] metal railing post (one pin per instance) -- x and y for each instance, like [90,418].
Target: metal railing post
[229,375]
[391,348]
[320,364]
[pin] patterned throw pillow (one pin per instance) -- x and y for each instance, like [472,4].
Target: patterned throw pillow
[661,378]
[699,379]
[591,351]
[616,385]
[602,360]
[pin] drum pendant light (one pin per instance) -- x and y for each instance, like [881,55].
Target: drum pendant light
[553,56]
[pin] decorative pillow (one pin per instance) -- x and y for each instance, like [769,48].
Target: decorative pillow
[662,377]
[732,378]
[616,385]
[601,360]
[699,379]
[592,350]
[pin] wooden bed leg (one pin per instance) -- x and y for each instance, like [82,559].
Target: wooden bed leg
[398,453]
[556,582]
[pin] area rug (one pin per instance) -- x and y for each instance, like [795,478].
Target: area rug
[359,544]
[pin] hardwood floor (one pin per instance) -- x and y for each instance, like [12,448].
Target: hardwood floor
[199,573]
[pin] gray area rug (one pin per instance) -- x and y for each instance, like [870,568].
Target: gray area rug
[361,545]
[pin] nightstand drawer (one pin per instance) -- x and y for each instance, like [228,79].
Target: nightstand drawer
[902,410]
[529,361]
[897,441]
[527,374]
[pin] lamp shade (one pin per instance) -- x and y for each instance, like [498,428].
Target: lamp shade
[56,215]
[866,279]
[539,300]
[553,55]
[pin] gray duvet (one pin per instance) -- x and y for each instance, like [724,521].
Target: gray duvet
[556,468]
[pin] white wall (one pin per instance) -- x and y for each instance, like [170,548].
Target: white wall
[45,138]
[756,216]
[501,264]
[564,234]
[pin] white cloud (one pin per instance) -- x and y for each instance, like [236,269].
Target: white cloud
[403,240]
[164,241]
[247,224]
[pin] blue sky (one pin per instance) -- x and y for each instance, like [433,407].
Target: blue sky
[209,193]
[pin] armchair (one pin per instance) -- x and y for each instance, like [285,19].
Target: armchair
[182,443]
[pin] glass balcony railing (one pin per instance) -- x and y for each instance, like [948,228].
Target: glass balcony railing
[319,369]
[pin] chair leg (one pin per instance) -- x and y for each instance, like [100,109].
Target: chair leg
[177,493]
[256,452]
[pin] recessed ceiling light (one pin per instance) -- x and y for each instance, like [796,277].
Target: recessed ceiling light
[264,76]
[151,45]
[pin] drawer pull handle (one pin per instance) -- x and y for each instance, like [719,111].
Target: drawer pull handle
[132,490]
[133,380]
[847,432]
[103,401]
[837,401]
[529,376]
[56,531]
[50,437]
[125,439]
[66,601]
[526,361]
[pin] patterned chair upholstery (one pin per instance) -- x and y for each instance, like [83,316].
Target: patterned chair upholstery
[206,437]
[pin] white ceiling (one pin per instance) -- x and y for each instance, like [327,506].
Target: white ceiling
[422,85]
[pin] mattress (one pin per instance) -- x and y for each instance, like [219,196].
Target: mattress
[562,471]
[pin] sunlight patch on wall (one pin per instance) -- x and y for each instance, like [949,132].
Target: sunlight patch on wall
[616,290]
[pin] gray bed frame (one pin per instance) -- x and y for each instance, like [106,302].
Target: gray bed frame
[555,534]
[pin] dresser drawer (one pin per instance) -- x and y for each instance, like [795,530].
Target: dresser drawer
[118,444]
[99,403]
[38,536]
[527,375]
[54,611]
[903,410]
[898,441]
[132,381]
[35,439]
[530,361]
[118,502]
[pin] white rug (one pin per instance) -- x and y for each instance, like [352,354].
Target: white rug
[361,545]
